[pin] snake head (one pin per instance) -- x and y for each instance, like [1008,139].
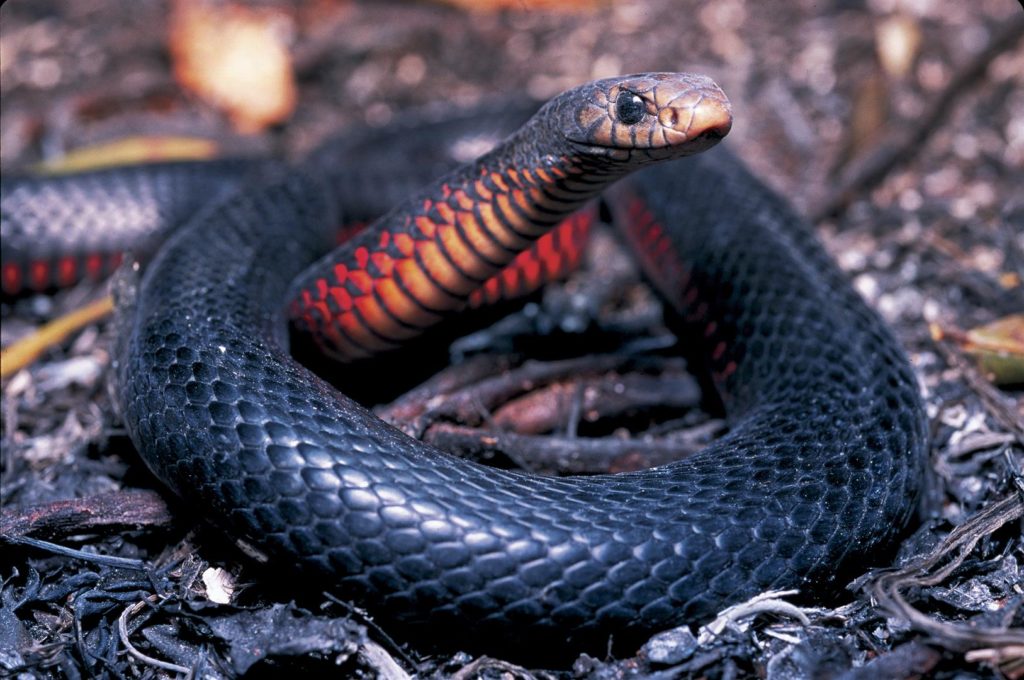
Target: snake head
[642,117]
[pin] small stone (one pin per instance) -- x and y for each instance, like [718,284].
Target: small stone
[670,647]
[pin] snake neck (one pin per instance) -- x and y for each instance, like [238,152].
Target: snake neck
[510,197]
[427,256]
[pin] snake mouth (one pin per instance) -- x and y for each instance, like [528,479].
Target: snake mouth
[682,144]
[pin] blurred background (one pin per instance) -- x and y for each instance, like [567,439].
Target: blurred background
[815,84]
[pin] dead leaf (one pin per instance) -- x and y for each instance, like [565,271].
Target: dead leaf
[1009,280]
[495,5]
[897,40]
[128,151]
[998,347]
[220,585]
[235,57]
[869,116]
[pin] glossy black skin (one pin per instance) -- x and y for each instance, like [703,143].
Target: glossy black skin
[134,208]
[105,212]
[817,477]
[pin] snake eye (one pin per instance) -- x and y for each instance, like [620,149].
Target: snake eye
[629,107]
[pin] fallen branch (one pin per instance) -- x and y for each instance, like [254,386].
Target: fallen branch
[567,455]
[103,513]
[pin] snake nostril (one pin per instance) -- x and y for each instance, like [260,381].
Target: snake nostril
[669,117]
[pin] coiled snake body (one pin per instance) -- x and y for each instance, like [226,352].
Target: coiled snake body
[818,473]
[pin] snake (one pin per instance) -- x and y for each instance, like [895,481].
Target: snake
[817,477]
[60,229]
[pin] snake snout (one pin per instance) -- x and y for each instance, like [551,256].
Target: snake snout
[698,119]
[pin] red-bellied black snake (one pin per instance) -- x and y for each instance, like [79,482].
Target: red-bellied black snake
[819,471]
